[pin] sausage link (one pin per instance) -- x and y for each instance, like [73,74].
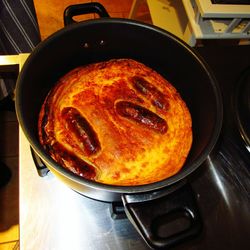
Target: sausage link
[71,161]
[142,116]
[82,129]
[144,87]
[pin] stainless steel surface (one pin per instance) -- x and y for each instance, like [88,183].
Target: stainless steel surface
[52,216]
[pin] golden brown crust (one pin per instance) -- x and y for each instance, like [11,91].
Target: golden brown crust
[116,122]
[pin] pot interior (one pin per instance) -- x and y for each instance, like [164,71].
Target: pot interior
[103,39]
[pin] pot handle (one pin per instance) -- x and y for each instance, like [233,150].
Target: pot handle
[81,9]
[167,220]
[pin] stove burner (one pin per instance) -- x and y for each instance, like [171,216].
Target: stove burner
[241,107]
[117,211]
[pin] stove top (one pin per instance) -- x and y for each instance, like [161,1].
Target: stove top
[52,216]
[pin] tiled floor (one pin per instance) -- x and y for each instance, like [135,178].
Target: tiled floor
[49,13]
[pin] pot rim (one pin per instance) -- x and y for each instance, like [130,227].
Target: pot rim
[50,163]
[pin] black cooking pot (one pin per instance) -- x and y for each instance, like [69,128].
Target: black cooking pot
[107,38]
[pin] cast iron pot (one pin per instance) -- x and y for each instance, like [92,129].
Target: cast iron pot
[147,206]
